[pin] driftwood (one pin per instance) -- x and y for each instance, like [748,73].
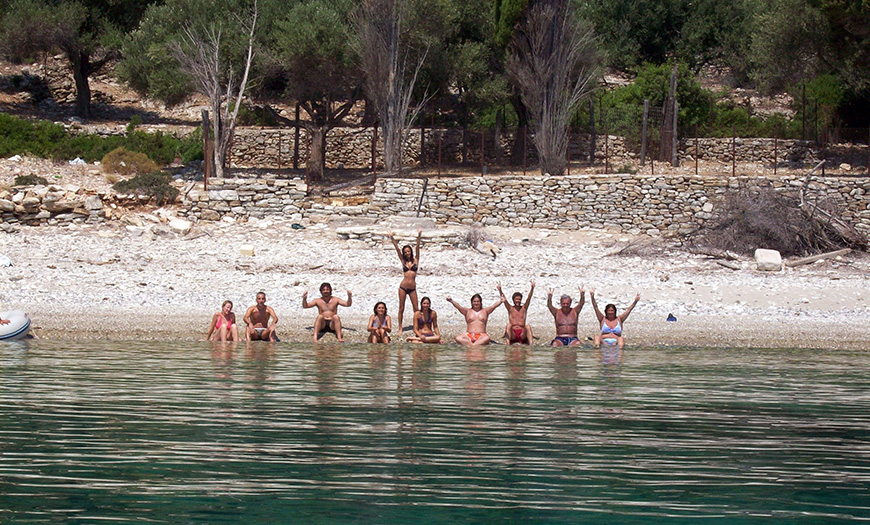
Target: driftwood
[729,264]
[814,258]
[715,253]
[828,221]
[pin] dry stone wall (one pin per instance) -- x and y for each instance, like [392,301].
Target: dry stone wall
[241,199]
[660,204]
[654,204]
[53,205]
[352,148]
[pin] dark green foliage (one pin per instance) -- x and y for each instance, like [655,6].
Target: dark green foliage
[507,15]
[30,180]
[155,184]
[87,32]
[149,65]
[652,83]
[48,140]
[20,136]
[256,116]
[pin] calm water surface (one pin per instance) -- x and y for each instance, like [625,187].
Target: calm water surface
[192,432]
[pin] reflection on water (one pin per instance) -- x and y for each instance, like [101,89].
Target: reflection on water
[279,432]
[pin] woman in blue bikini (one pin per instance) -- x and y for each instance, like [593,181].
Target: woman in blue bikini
[380,324]
[610,323]
[408,286]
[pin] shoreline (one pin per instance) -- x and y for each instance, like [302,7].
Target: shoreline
[117,282]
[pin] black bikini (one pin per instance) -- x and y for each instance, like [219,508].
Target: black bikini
[412,268]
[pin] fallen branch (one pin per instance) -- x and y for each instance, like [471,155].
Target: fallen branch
[814,258]
[729,264]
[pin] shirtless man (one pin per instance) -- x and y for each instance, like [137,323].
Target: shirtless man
[566,318]
[327,304]
[475,318]
[517,331]
[261,321]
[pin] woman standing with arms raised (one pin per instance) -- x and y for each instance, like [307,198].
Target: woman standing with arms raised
[410,259]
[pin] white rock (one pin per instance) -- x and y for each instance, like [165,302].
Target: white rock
[768,260]
[180,226]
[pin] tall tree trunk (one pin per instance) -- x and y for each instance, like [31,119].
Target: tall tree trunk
[219,162]
[522,128]
[317,156]
[81,65]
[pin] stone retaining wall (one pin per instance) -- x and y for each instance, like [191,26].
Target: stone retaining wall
[351,148]
[241,199]
[653,204]
[54,205]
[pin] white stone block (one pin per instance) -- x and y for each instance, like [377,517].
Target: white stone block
[768,260]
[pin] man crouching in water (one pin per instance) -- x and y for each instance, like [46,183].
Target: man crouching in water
[476,318]
[327,305]
[566,319]
[257,318]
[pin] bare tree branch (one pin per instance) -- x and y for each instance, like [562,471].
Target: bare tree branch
[553,59]
[379,28]
[199,56]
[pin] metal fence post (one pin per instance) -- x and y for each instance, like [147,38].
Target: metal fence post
[643,131]
[733,151]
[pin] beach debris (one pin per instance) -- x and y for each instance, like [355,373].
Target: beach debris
[297,226]
[768,260]
[671,318]
[815,258]
[14,158]
[5,261]
[78,161]
[734,265]
[247,250]
[488,247]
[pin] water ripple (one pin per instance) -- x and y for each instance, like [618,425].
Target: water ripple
[144,432]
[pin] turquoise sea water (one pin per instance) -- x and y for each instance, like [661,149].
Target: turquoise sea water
[286,433]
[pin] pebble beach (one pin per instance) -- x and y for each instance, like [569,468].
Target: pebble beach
[120,281]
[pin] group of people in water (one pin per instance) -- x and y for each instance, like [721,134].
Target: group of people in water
[260,319]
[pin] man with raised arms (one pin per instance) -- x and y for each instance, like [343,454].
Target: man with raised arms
[566,318]
[475,318]
[261,321]
[517,331]
[327,306]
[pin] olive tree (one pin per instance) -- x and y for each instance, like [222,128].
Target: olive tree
[87,32]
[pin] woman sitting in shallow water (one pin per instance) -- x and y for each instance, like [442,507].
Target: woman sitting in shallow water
[223,324]
[426,324]
[380,324]
[610,324]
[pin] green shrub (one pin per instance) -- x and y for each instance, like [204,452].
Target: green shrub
[21,136]
[256,116]
[135,122]
[191,147]
[48,140]
[156,184]
[30,180]
[124,162]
